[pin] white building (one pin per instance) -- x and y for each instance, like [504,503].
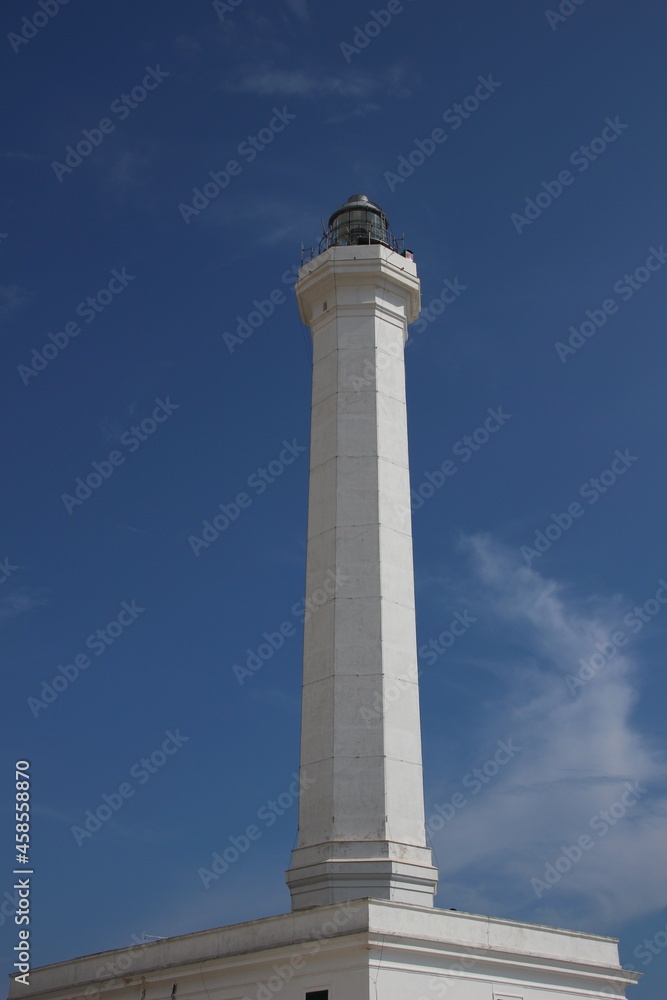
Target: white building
[363,925]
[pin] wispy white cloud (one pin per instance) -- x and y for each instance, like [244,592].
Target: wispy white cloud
[578,750]
[18,154]
[368,108]
[20,602]
[12,298]
[254,38]
[116,828]
[275,219]
[187,45]
[299,8]
[310,86]
[126,173]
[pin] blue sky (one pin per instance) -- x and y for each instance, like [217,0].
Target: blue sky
[538,201]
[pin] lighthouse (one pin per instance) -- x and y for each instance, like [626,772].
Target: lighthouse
[361,813]
[362,925]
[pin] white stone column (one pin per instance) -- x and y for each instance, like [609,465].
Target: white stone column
[361,812]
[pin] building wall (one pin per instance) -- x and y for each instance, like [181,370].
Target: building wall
[365,950]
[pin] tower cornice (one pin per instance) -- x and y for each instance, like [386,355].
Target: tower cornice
[341,269]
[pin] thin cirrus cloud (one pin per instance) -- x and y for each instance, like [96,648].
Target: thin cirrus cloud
[20,602]
[368,108]
[18,154]
[270,82]
[578,750]
[138,832]
[299,8]
[13,298]
[127,172]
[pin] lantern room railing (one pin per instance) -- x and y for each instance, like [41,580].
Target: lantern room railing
[360,233]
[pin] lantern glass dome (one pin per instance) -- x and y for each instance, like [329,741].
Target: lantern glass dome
[359,221]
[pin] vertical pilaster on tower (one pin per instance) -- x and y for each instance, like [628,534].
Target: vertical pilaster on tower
[361,812]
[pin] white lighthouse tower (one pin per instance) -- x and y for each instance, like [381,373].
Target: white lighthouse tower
[361,814]
[363,925]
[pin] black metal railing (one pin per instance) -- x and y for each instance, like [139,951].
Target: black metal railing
[360,235]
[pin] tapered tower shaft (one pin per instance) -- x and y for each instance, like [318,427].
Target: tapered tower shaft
[361,815]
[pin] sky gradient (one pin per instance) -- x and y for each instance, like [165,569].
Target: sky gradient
[162,165]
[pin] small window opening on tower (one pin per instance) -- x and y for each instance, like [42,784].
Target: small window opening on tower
[317,995]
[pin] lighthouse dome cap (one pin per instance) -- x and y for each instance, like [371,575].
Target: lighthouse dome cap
[359,201]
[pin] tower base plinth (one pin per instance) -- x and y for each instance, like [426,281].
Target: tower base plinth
[333,873]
